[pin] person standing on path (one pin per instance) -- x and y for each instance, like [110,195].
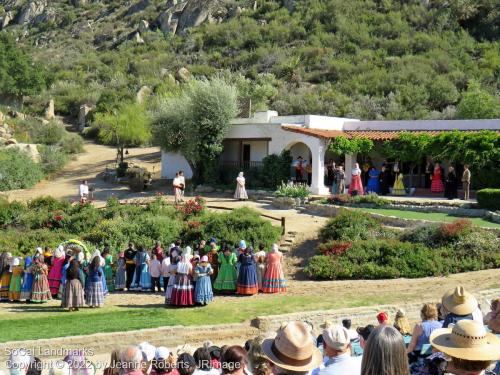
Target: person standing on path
[84,192]
[240,193]
[177,185]
[130,264]
[466,181]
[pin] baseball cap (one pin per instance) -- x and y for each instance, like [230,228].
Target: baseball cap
[336,337]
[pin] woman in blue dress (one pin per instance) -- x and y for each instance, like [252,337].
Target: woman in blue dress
[203,293]
[142,278]
[373,185]
[27,280]
[247,277]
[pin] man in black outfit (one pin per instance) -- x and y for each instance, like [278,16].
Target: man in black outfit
[130,263]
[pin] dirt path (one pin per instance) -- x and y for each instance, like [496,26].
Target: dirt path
[89,166]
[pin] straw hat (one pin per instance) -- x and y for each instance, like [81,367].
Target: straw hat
[459,301]
[292,348]
[467,340]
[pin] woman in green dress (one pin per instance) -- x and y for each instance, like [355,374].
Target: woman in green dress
[108,270]
[226,278]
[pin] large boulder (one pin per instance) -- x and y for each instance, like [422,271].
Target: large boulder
[49,110]
[195,13]
[138,7]
[183,75]
[83,115]
[143,27]
[6,19]
[138,39]
[143,93]
[30,149]
[31,11]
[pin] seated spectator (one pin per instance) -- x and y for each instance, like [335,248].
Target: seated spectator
[257,361]
[186,365]
[364,334]
[215,354]
[494,310]
[353,335]
[460,305]
[401,323]
[470,348]
[19,362]
[148,354]
[337,347]
[163,363]
[292,351]
[385,353]
[204,362]
[131,361]
[422,331]
[383,318]
[113,368]
[35,367]
[234,360]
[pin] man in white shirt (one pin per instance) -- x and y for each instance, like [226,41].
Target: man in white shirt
[177,185]
[84,191]
[155,272]
[337,347]
[183,183]
[165,273]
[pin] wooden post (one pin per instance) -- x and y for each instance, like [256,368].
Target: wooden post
[283,225]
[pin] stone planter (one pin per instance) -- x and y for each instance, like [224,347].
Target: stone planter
[286,203]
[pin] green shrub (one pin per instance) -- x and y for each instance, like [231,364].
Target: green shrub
[52,158]
[276,169]
[24,242]
[71,143]
[48,134]
[10,213]
[321,267]
[17,170]
[292,191]
[351,225]
[345,199]
[489,199]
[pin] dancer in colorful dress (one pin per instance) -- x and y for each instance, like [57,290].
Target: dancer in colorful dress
[226,279]
[121,275]
[274,279]
[6,275]
[40,292]
[356,186]
[373,185]
[16,280]
[108,270]
[94,295]
[203,291]
[182,291]
[399,186]
[55,273]
[67,260]
[27,280]
[73,296]
[260,260]
[240,193]
[437,185]
[172,270]
[213,259]
[247,277]
[142,278]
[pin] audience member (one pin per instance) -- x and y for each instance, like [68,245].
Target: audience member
[494,310]
[401,323]
[35,367]
[234,360]
[204,362]
[385,353]
[469,347]
[460,305]
[148,354]
[353,335]
[257,361]
[383,318]
[292,351]
[19,362]
[337,349]
[364,333]
[131,361]
[114,368]
[164,362]
[59,368]
[423,330]
[186,365]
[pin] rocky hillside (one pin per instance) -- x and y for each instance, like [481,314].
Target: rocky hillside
[368,59]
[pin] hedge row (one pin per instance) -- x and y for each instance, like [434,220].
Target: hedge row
[489,199]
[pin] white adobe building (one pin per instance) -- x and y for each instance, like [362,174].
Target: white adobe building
[250,140]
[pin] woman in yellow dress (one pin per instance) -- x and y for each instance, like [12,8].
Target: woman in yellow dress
[399,187]
[5,275]
[16,280]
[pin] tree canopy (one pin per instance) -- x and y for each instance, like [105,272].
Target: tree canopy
[343,145]
[478,104]
[195,123]
[19,75]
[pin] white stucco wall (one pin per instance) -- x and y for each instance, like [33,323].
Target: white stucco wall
[171,163]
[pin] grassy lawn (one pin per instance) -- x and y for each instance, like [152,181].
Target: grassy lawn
[431,216]
[29,322]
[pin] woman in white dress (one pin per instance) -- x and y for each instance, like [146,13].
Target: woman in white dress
[241,193]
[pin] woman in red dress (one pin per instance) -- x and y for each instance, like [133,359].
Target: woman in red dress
[356,184]
[437,185]
[274,279]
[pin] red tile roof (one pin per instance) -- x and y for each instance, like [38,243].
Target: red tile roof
[376,135]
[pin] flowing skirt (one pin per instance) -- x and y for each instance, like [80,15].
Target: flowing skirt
[120,279]
[356,185]
[55,275]
[203,291]
[41,291]
[182,291]
[110,283]
[168,292]
[373,185]
[437,185]
[5,285]
[15,288]
[274,280]
[398,188]
[142,279]
[240,192]
[73,296]
[247,280]
[226,279]
[26,287]
[261,271]
[94,295]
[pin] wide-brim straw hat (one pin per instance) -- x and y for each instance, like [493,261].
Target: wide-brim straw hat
[459,301]
[292,348]
[467,340]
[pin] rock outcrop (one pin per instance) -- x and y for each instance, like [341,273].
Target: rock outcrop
[143,93]
[138,7]
[30,149]
[143,26]
[83,115]
[195,13]
[32,11]
[49,110]
[183,75]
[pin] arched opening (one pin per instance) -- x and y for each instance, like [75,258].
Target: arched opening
[301,168]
